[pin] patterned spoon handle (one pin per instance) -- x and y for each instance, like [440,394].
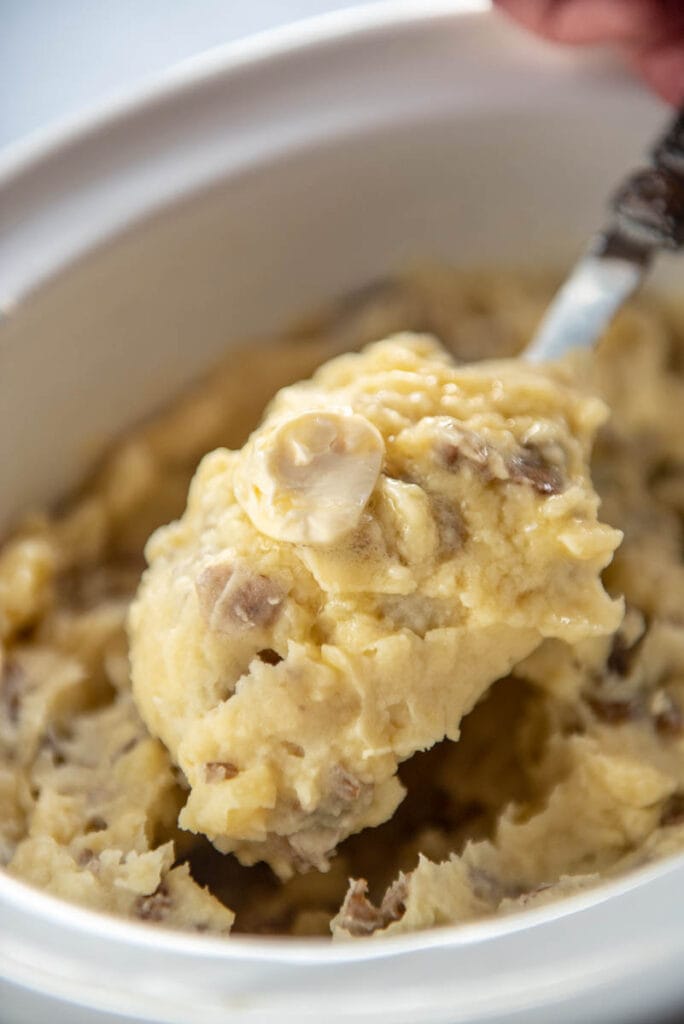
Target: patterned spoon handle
[647,216]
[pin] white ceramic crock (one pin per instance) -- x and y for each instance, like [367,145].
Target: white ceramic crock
[136,245]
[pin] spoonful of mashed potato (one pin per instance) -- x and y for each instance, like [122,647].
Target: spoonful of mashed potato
[398,532]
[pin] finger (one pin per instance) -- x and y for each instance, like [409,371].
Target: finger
[663,69]
[641,23]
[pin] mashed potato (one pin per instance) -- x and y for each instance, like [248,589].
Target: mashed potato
[301,634]
[396,535]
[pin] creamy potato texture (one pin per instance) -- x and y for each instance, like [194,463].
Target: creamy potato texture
[407,548]
[394,537]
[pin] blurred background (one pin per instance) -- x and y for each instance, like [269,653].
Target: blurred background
[60,57]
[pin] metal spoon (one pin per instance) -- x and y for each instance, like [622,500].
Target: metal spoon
[647,215]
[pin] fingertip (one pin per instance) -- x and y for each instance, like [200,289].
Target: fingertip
[585,22]
[530,14]
[663,70]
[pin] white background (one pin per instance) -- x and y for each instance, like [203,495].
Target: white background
[58,57]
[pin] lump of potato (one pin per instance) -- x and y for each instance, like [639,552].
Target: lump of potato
[397,534]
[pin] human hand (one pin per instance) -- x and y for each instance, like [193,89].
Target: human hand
[650,33]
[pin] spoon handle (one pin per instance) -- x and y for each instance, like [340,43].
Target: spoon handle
[647,216]
[649,206]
